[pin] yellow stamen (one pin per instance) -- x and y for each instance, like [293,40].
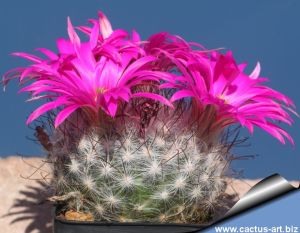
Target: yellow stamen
[101,90]
[223,97]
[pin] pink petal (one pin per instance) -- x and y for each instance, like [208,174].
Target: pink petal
[74,38]
[48,53]
[105,26]
[255,73]
[136,37]
[94,35]
[112,107]
[64,114]
[44,108]
[33,98]
[181,94]
[117,36]
[154,97]
[28,57]
[123,93]
[130,71]
[84,29]
[65,46]
[86,60]
[11,74]
[26,73]
[275,131]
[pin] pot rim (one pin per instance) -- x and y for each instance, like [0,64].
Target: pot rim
[99,223]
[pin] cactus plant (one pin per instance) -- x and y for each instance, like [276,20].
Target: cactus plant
[136,127]
[170,175]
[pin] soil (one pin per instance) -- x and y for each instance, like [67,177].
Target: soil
[72,215]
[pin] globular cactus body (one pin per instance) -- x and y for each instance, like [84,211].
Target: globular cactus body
[168,176]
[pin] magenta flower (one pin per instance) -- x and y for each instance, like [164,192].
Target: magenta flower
[113,66]
[214,79]
[240,98]
[93,75]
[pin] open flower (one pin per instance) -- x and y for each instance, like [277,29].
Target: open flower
[237,97]
[92,75]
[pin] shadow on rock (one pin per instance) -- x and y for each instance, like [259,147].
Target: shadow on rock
[35,211]
[226,202]
[33,208]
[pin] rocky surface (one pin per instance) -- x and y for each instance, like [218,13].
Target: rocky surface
[23,196]
[23,207]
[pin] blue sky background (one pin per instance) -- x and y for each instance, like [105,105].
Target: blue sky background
[254,30]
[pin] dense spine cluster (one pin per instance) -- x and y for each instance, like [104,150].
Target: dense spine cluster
[164,177]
